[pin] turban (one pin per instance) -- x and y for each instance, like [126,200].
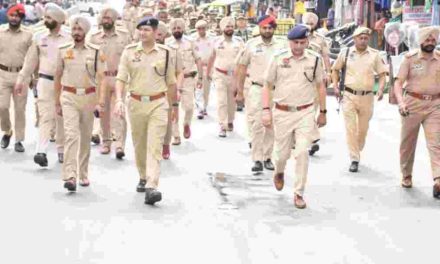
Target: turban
[19,9]
[162,28]
[267,20]
[227,21]
[55,12]
[148,21]
[361,30]
[147,12]
[177,22]
[81,21]
[310,17]
[298,32]
[201,23]
[111,12]
[425,32]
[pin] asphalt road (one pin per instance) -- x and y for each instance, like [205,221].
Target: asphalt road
[215,211]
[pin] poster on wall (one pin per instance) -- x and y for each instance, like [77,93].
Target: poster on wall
[417,14]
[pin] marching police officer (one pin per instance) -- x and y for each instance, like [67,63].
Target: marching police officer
[147,73]
[297,75]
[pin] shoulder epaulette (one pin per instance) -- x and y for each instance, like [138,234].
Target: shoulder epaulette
[165,47]
[131,46]
[122,30]
[66,45]
[411,53]
[92,46]
[313,53]
[281,52]
[96,32]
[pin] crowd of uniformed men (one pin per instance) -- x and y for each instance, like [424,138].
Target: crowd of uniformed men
[145,65]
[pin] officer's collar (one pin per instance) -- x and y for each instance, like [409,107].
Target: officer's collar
[272,41]
[111,34]
[140,47]
[367,50]
[303,56]
[16,31]
[435,56]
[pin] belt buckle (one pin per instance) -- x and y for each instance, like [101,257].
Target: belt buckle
[230,72]
[145,99]
[292,108]
[427,97]
[80,91]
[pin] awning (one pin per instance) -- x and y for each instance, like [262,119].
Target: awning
[224,2]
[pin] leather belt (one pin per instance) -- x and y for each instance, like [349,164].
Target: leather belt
[225,72]
[426,97]
[45,76]
[257,84]
[357,92]
[79,91]
[288,108]
[110,73]
[190,74]
[10,69]
[146,98]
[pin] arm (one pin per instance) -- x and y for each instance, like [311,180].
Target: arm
[241,77]
[211,62]
[57,83]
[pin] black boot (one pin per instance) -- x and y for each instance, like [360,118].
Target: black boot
[141,186]
[152,196]
[258,166]
[268,165]
[19,147]
[5,140]
[313,149]
[41,159]
[61,157]
[96,139]
[354,166]
[436,191]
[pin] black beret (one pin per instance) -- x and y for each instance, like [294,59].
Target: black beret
[298,32]
[148,21]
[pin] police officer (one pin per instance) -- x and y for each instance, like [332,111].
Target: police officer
[419,105]
[147,73]
[41,55]
[255,59]
[363,63]
[226,49]
[191,78]
[297,77]
[80,66]
[112,42]
[14,44]
[241,30]
[205,47]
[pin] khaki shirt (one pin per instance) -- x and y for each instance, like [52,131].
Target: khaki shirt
[318,44]
[257,54]
[112,45]
[14,46]
[143,69]
[422,75]
[42,55]
[226,52]
[204,47]
[188,50]
[179,59]
[293,78]
[361,67]
[77,65]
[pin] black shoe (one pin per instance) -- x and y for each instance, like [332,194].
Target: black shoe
[268,165]
[239,108]
[5,140]
[141,186]
[120,154]
[152,196]
[96,140]
[70,185]
[258,166]
[354,166]
[436,191]
[19,147]
[61,157]
[313,149]
[41,159]
[250,145]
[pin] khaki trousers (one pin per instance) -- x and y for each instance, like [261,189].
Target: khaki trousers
[78,126]
[111,124]
[289,126]
[148,127]
[226,104]
[358,111]
[422,113]
[247,86]
[186,104]
[7,83]
[262,138]
[169,132]
[47,117]
[202,101]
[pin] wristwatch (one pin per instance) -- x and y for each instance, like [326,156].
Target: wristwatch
[175,104]
[323,111]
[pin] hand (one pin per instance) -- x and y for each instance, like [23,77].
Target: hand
[267,118]
[100,108]
[175,114]
[119,109]
[58,109]
[199,83]
[337,93]
[18,89]
[403,109]
[380,95]
[239,98]
[322,120]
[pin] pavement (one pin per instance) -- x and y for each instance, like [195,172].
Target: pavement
[214,210]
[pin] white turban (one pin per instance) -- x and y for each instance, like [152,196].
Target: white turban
[55,12]
[177,22]
[162,28]
[109,11]
[426,32]
[226,21]
[201,23]
[83,22]
[310,17]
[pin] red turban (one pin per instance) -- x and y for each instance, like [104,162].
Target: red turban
[19,8]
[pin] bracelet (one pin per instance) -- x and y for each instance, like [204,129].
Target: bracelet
[266,108]
[323,111]
[176,104]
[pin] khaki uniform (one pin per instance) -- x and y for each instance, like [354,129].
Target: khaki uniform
[41,55]
[112,45]
[358,109]
[148,119]
[126,18]
[77,66]
[134,15]
[13,49]
[293,89]
[205,48]
[189,55]
[422,76]
[256,56]
[226,53]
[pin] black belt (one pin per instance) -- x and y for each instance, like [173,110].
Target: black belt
[10,69]
[257,84]
[357,92]
[45,76]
